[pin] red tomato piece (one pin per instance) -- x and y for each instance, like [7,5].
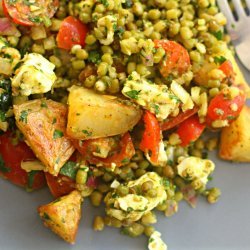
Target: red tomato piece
[71,32]
[121,155]
[227,69]
[173,122]
[190,130]
[177,57]
[21,12]
[221,107]
[151,137]
[12,156]
[59,185]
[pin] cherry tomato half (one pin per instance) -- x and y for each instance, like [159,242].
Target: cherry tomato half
[71,32]
[177,57]
[20,11]
[151,137]
[173,122]
[190,130]
[10,165]
[221,107]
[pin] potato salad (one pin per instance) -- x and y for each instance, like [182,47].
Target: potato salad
[116,101]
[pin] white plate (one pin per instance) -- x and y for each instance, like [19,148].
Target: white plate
[223,226]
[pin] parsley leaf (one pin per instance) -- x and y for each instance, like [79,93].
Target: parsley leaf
[69,169]
[57,134]
[133,94]
[219,60]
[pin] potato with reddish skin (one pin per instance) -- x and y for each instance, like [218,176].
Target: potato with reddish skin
[43,123]
[62,216]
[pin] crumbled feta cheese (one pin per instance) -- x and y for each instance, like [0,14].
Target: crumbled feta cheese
[194,168]
[156,243]
[34,76]
[108,23]
[134,206]
[183,95]
[158,99]
[132,201]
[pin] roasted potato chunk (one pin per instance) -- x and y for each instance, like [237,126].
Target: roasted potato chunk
[92,115]
[43,123]
[235,139]
[63,215]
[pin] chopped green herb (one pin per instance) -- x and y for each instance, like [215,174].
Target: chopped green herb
[156,108]
[104,2]
[125,160]
[94,57]
[174,97]
[127,4]
[151,240]
[46,216]
[86,132]
[54,120]
[210,178]
[23,116]
[27,2]
[12,1]
[114,195]
[44,104]
[165,182]
[231,117]
[170,162]
[3,168]
[218,35]
[119,30]
[130,78]
[57,134]
[133,94]
[2,116]
[219,60]
[31,177]
[130,209]
[69,169]
[35,19]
